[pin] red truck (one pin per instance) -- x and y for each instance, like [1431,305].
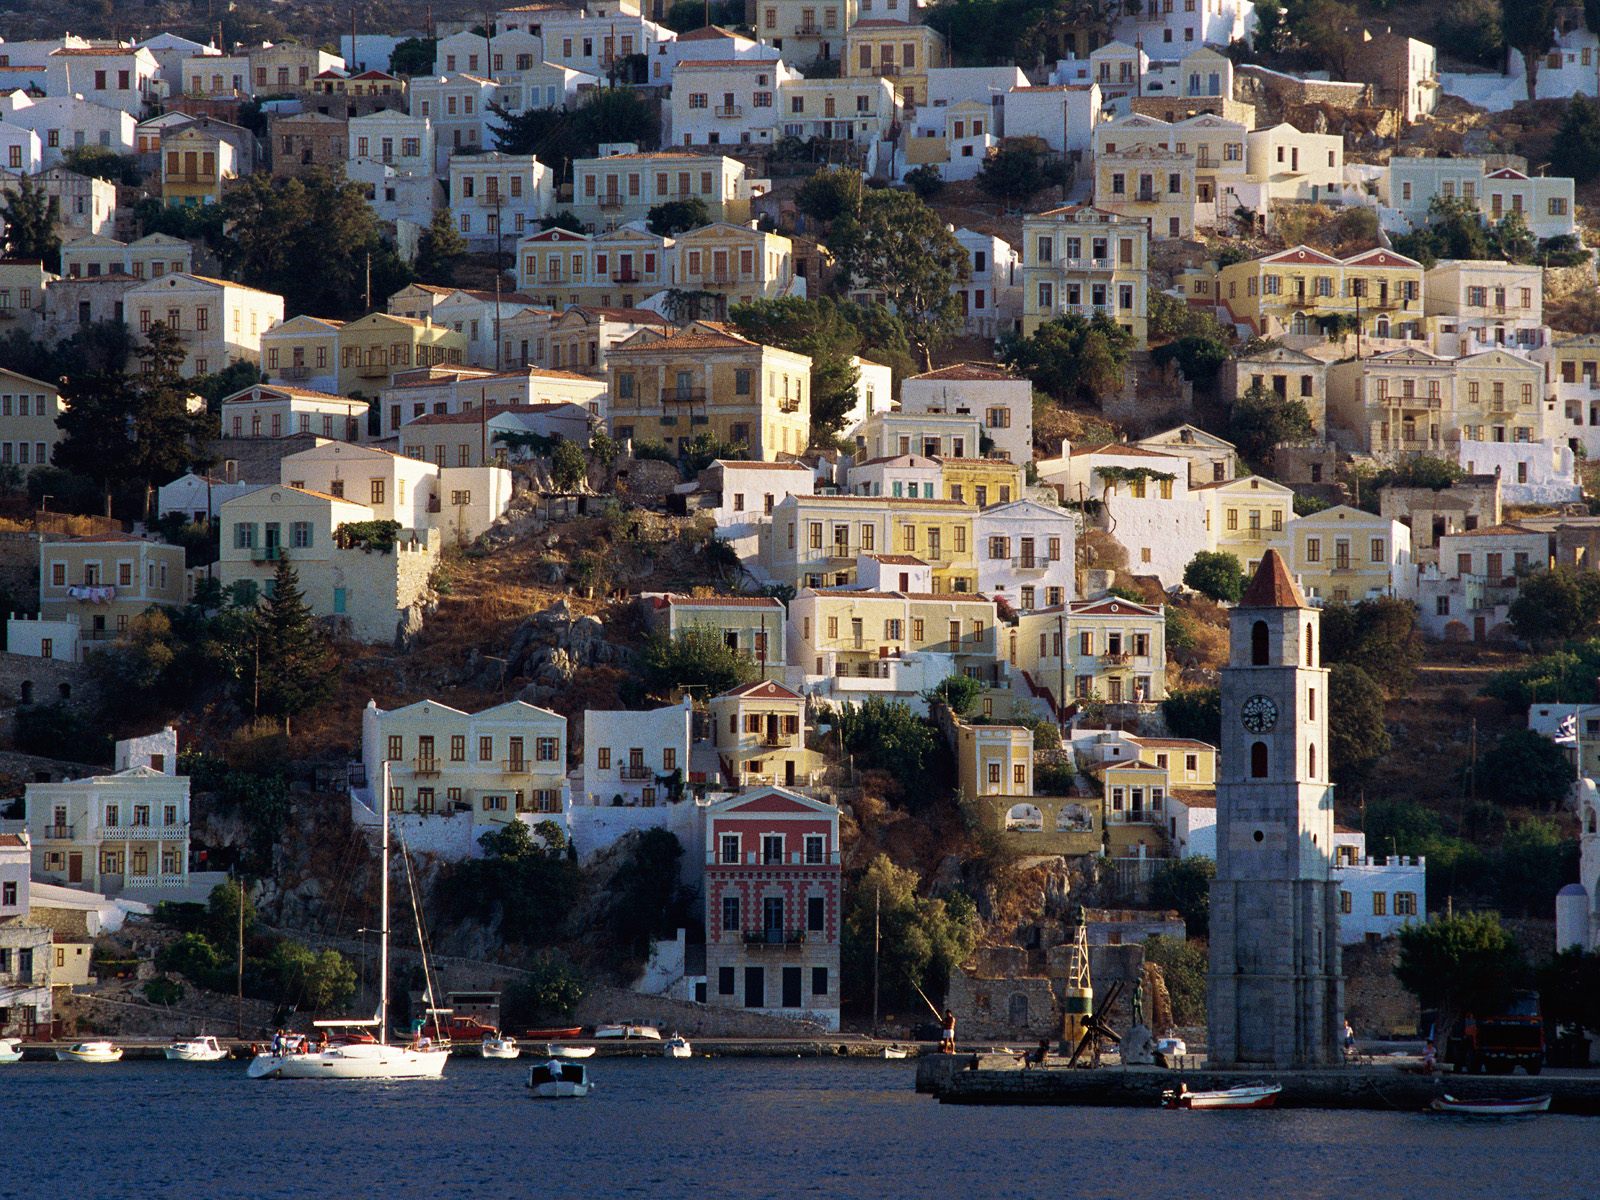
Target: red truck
[1500,1043]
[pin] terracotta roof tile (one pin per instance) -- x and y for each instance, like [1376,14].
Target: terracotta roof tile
[968,371]
[1273,585]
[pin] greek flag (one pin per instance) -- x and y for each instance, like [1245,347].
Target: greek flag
[1567,731]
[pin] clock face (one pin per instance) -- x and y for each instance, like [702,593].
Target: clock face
[1258,715]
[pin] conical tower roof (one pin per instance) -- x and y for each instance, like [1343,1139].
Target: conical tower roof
[1273,586]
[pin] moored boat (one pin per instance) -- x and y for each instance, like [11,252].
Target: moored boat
[501,1046]
[627,1030]
[559,1080]
[91,1052]
[677,1046]
[1490,1106]
[895,1051]
[555,1050]
[555,1035]
[1253,1095]
[196,1049]
[10,1050]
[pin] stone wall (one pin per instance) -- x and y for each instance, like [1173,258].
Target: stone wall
[1374,1002]
[24,679]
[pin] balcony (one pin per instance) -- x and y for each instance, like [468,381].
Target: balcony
[636,774]
[789,406]
[425,766]
[265,553]
[58,833]
[1087,264]
[684,396]
[297,372]
[208,178]
[372,370]
[729,110]
[889,70]
[610,200]
[491,200]
[778,741]
[627,275]
[550,277]
[1115,659]
[515,766]
[719,277]
[776,938]
[808,31]
[1035,563]
[140,833]
[1253,534]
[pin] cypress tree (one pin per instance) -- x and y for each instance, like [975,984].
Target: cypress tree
[296,668]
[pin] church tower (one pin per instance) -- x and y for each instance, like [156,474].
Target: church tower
[1275,994]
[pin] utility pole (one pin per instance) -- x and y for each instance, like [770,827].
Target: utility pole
[239,1013]
[369,280]
[877,913]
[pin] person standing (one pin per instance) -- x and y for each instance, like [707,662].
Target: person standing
[947,1035]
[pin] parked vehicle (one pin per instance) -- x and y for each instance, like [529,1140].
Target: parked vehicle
[1500,1043]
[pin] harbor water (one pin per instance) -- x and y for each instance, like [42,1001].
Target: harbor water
[713,1128]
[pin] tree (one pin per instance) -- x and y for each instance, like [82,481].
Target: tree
[196,959]
[1217,574]
[1199,358]
[902,248]
[925,181]
[696,657]
[1357,738]
[678,216]
[957,692]
[1183,969]
[1529,27]
[1379,635]
[295,667]
[1184,885]
[1323,28]
[1525,769]
[1194,713]
[1459,964]
[102,162]
[1569,989]
[1260,421]
[1556,605]
[568,467]
[439,249]
[222,912]
[921,940]
[1072,358]
[819,329]
[413,56]
[885,735]
[831,194]
[1269,33]
[30,231]
[276,227]
[1018,171]
[553,988]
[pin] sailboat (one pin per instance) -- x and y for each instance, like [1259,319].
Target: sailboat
[362,1057]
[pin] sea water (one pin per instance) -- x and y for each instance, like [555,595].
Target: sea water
[713,1128]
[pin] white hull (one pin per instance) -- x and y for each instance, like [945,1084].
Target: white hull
[501,1050]
[10,1050]
[570,1051]
[677,1048]
[360,1061]
[184,1054]
[560,1091]
[893,1052]
[110,1055]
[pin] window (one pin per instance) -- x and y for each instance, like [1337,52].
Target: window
[724,981]
[396,748]
[816,914]
[1258,760]
[1344,902]
[1380,904]
[730,914]
[819,975]
[815,843]
[485,749]
[458,747]
[1405,904]
[771,849]
[728,851]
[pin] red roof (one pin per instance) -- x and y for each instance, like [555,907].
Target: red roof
[1273,586]
[968,371]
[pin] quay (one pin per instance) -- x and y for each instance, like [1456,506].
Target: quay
[1000,1079]
[134,1049]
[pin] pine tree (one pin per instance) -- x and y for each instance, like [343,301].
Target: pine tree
[295,667]
[438,250]
[30,233]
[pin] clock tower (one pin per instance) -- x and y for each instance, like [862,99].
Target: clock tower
[1275,991]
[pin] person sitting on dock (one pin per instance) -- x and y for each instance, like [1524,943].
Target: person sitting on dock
[1036,1056]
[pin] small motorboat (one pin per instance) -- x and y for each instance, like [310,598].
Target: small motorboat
[10,1050]
[196,1049]
[501,1046]
[556,1050]
[1490,1106]
[555,1035]
[895,1052]
[627,1030]
[677,1046]
[559,1080]
[91,1052]
[1253,1095]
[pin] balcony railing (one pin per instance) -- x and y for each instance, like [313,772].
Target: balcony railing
[209,177]
[637,774]
[515,766]
[146,832]
[373,370]
[298,372]
[627,275]
[58,833]
[774,937]
[610,201]
[265,553]
[425,766]
[729,110]
[808,31]
[491,199]
[1034,563]
[684,396]
[1117,659]
[551,277]
[778,741]
[1087,264]
[719,277]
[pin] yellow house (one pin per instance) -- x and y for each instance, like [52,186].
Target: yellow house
[1148,183]
[1246,516]
[732,264]
[896,51]
[104,581]
[195,165]
[671,386]
[849,632]
[372,348]
[1083,260]
[749,625]
[759,735]
[981,481]
[614,189]
[994,760]
[1109,649]
[303,350]
[1300,289]
[1133,795]
[1345,555]
[815,540]
[28,411]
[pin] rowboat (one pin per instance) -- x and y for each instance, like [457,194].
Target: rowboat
[1490,1106]
[894,1051]
[556,1050]
[1254,1095]
[627,1031]
[553,1035]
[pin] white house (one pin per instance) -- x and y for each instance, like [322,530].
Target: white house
[747,493]
[1378,897]
[1026,554]
[635,758]
[69,122]
[494,195]
[117,76]
[1000,401]
[1530,472]
[21,149]
[1062,115]
[393,138]
[908,476]
[1545,202]
[726,101]
[457,108]
[199,498]
[991,296]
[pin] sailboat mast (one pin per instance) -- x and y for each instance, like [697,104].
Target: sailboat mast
[383,913]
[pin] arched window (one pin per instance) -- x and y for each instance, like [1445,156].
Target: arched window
[1309,663]
[1258,644]
[1592,825]
[1311,762]
[1258,760]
